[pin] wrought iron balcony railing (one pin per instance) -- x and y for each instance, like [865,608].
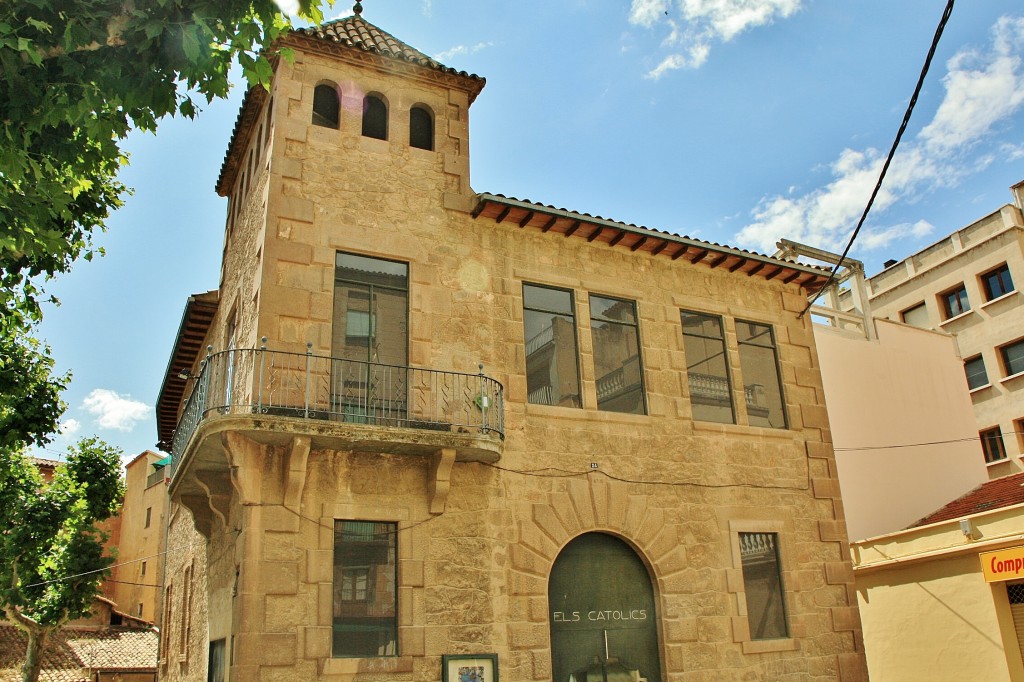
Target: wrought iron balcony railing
[261,381]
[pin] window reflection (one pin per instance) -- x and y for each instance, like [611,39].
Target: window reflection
[617,364]
[552,365]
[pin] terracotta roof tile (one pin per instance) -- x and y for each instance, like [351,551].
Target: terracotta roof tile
[69,651]
[356,32]
[995,494]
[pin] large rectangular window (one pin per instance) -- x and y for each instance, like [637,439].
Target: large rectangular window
[365,589]
[762,584]
[616,335]
[762,384]
[974,368]
[997,282]
[954,302]
[706,368]
[992,444]
[1013,357]
[552,361]
[371,335]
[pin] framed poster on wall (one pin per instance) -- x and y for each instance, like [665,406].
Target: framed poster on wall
[469,668]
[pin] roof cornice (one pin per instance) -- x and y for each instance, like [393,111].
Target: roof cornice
[560,221]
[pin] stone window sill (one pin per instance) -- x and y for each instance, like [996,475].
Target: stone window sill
[956,318]
[1008,294]
[763,646]
[1010,378]
[981,388]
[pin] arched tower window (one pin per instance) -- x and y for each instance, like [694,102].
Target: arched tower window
[326,106]
[421,128]
[375,117]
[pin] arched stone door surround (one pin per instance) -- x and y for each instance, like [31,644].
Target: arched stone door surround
[596,504]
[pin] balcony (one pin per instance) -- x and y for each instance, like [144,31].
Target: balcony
[269,396]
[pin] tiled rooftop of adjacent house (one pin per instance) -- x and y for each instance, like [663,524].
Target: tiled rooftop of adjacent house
[70,651]
[995,494]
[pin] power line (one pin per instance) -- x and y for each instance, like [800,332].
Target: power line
[892,151]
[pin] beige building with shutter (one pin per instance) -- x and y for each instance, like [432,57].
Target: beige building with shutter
[968,284]
[427,433]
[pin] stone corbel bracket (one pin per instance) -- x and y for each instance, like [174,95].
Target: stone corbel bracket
[440,482]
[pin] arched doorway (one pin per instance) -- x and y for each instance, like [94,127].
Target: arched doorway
[602,616]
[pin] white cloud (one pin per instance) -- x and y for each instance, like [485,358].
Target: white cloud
[114,411]
[982,89]
[289,7]
[1012,152]
[695,24]
[646,12]
[69,427]
[461,50]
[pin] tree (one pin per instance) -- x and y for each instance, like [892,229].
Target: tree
[51,552]
[75,77]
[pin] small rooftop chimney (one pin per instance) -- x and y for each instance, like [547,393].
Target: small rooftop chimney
[889,263]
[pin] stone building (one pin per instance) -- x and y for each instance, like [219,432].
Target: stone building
[428,433]
[964,285]
[135,578]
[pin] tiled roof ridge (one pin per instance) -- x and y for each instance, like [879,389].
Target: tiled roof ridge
[991,495]
[695,240]
[360,33]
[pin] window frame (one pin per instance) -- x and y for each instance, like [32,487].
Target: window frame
[691,363]
[1005,360]
[635,325]
[575,341]
[330,119]
[998,272]
[958,294]
[737,584]
[774,347]
[389,573]
[922,307]
[416,130]
[992,446]
[984,372]
[372,127]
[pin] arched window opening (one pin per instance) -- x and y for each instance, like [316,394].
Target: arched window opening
[326,106]
[421,128]
[375,117]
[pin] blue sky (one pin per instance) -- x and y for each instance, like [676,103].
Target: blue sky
[735,121]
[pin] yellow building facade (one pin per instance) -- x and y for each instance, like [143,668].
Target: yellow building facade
[431,434]
[944,599]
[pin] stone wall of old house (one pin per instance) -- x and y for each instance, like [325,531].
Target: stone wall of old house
[474,578]
[184,640]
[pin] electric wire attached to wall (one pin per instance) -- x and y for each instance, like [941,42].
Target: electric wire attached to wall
[892,152]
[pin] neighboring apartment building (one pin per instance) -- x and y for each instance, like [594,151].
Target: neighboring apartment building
[136,579]
[432,434]
[968,285]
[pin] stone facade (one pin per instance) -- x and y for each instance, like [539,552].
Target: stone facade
[482,514]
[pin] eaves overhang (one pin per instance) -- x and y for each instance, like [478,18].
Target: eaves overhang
[188,344]
[559,221]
